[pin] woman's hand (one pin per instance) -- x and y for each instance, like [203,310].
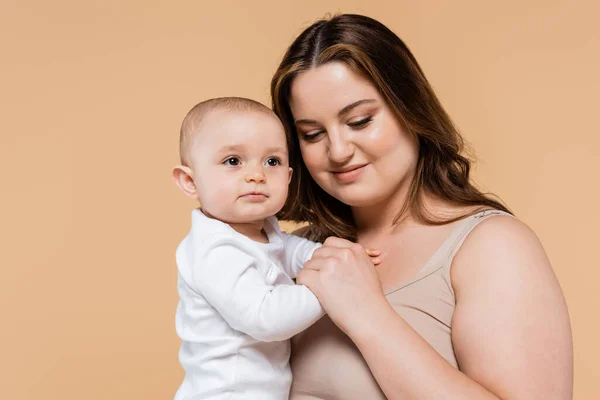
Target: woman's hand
[343,277]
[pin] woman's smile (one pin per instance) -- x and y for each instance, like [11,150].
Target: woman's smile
[350,173]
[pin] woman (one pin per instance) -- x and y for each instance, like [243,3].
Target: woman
[464,303]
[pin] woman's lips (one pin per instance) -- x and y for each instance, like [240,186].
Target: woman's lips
[349,174]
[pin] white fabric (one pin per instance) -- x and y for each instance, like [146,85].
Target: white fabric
[238,307]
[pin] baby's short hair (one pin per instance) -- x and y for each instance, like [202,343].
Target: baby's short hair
[193,118]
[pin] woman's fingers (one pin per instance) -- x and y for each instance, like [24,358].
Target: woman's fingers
[340,243]
[345,253]
[376,260]
[333,241]
[342,276]
[321,260]
[308,278]
[342,249]
[326,252]
[375,255]
[373,252]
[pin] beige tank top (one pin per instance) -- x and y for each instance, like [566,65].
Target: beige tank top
[326,365]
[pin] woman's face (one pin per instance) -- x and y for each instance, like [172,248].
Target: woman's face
[351,142]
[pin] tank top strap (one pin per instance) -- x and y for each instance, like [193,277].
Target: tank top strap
[456,239]
[445,254]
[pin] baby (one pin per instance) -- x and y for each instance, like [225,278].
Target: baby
[238,303]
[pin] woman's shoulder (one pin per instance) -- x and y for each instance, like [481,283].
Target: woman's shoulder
[498,229]
[508,299]
[500,246]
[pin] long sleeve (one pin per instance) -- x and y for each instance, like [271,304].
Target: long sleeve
[297,251]
[229,278]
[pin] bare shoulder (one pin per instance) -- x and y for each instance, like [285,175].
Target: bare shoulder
[502,256]
[500,240]
[510,313]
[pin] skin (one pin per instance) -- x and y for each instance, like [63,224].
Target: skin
[236,177]
[510,331]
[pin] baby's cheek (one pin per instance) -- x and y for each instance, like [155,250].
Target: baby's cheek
[278,181]
[215,192]
[222,191]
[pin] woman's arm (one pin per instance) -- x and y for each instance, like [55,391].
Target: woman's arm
[510,329]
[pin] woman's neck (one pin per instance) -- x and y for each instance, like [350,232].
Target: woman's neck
[379,217]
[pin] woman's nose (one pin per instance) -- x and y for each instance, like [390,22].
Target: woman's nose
[341,149]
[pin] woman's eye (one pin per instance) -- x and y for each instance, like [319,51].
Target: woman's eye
[273,162]
[361,122]
[232,161]
[311,137]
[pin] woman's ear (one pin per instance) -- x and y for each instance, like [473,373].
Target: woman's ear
[184,179]
[290,177]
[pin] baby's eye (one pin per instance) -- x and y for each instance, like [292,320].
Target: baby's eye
[232,161]
[272,162]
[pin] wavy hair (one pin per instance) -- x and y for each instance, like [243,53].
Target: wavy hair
[372,50]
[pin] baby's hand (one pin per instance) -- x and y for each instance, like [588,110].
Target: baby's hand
[374,254]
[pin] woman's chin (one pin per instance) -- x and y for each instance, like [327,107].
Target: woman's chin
[356,197]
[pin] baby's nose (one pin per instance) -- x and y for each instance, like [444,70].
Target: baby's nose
[256,177]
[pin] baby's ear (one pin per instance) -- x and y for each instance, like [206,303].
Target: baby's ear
[184,179]
[290,177]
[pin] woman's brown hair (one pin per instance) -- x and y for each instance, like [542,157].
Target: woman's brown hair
[372,50]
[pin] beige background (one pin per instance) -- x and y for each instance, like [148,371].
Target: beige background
[92,94]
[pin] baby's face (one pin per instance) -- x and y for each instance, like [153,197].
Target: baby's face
[240,165]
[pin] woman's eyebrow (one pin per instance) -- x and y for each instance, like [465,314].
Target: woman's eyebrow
[352,106]
[305,121]
[341,113]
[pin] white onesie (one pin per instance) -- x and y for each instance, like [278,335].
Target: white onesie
[238,307]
